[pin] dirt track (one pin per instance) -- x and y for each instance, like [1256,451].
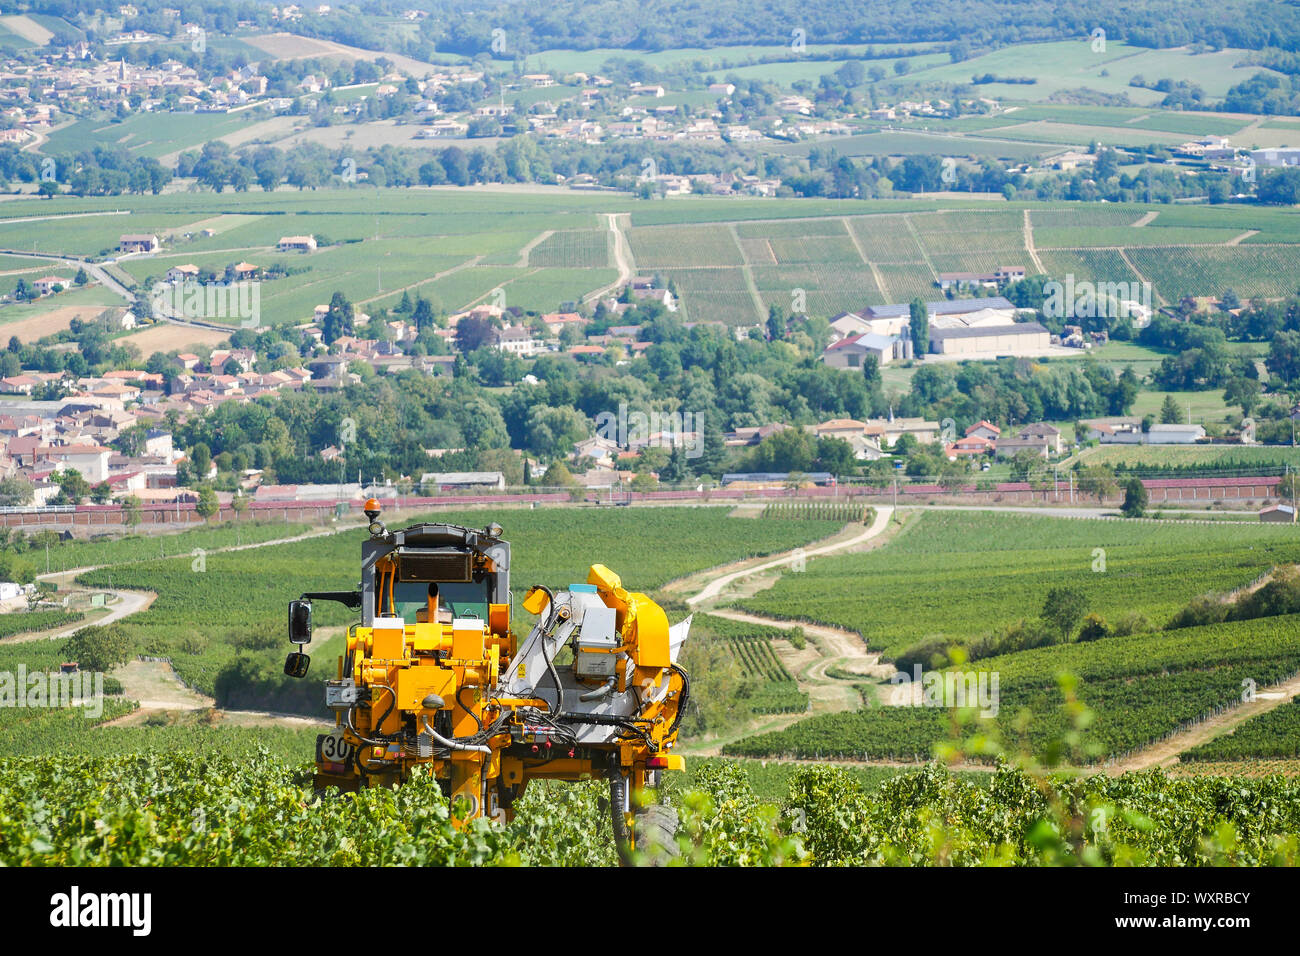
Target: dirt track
[827,647]
[1164,753]
[835,648]
[153,684]
[714,589]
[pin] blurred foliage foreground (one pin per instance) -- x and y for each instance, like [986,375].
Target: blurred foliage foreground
[189,809]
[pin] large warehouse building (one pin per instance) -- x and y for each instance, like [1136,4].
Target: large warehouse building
[986,327]
[1012,339]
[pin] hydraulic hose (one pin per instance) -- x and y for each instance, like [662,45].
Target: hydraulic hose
[551,611]
[451,744]
[601,691]
[682,701]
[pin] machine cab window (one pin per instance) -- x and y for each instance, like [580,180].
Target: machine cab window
[440,602]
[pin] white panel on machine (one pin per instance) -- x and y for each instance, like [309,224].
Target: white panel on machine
[596,641]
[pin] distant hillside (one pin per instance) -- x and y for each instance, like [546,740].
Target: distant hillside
[466,26]
[664,24]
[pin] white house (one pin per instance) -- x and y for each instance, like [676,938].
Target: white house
[1175,434]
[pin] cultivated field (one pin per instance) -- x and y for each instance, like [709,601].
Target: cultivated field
[729,259]
[37,326]
[956,578]
[166,338]
[1209,456]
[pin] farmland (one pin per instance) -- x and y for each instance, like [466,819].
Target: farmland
[729,259]
[819,510]
[218,811]
[1104,643]
[987,575]
[1273,735]
[983,571]
[841,262]
[1065,65]
[1139,688]
[751,646]
[19,623]
[204,635]
[136,548]
[1138,457]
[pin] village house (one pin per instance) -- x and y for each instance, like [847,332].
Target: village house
[134,243]
[984,429]
[518,340]
[972,446]
[1010,447]
[750,435]
[296,244]
[1046,433]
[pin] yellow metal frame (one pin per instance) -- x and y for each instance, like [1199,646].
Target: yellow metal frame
[411,661]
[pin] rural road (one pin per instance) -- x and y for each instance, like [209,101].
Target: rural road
[132,602]
[1164,753]
[714,588]
[96,271]
[622,259]
[827,646]
[163,691]
[129,602]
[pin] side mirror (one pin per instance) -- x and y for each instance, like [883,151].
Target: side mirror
[300,622]
[296,664]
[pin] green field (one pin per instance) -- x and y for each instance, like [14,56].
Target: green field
[888,143]
[1139,689]
[1069,65]
[751,647]
[150,134]
[203,635]
[730,259]
[712,59]
[1209,456]
[1273,735]
[958,576]
[1200,407]
[953,578]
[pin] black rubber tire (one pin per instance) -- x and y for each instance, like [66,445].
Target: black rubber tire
[654,828]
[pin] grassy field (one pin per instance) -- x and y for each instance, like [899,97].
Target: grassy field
[152,134]
[918,142]
[1073,64]
[1199,407]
